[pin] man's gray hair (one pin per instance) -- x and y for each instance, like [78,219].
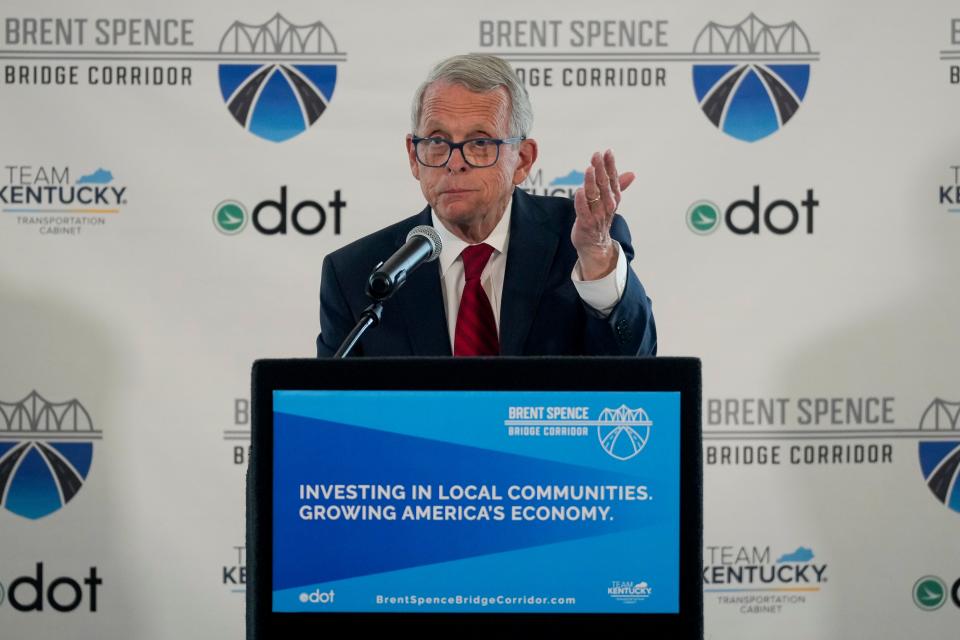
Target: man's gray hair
[480,73]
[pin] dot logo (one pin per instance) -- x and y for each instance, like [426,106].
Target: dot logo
[276,217]
[623,432]
[317,597]
[703,217]
[755,216]
[929,593]
[41,592]
[752,76]
[46,449]
[276,90]
[230,217]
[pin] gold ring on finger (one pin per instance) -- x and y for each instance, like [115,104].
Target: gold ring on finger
[594,201]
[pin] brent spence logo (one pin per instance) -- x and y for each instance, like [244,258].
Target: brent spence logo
[940,458]
[276,90]
[747,79]
[622,432]
[45,453]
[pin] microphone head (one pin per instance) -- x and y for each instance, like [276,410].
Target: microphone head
[431,235]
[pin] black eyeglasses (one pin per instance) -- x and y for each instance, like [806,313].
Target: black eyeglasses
[477,152]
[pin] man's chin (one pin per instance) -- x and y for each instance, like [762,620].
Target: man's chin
[458,212]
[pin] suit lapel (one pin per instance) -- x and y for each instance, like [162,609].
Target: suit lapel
[420,302]
[529,256]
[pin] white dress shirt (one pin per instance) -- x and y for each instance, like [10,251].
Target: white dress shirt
[602,295]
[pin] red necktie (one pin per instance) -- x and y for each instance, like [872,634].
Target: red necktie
[476,331]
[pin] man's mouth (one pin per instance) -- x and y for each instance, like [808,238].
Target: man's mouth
[455,193]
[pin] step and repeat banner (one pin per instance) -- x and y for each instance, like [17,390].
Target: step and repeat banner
[172,177]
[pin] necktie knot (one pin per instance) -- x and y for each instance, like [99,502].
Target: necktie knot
[475,258]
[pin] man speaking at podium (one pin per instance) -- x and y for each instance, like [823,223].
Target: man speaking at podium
[518,274]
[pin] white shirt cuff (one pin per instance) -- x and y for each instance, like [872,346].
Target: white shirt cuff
[603,294]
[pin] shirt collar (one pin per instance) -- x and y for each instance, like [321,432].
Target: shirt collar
[453,246]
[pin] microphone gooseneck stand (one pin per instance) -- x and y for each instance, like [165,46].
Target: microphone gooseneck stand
[423,245]
[370,317]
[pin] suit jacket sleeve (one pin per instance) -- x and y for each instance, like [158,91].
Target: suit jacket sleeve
[629,329]
[336,320]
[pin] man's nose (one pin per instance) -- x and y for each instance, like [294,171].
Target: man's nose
[457,161]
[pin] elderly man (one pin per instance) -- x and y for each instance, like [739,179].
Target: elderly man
[518,274]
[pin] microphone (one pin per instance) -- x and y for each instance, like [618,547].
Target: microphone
[423,245]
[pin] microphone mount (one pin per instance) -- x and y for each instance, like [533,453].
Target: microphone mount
[423,245]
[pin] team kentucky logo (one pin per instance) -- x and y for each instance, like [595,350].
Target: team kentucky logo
[940,459]
[623,432]
[752,76]
[45,453]
[284,76]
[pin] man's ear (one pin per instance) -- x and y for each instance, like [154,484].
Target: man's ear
[528,155]
[412,157]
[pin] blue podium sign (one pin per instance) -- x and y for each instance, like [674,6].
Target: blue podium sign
[476,501]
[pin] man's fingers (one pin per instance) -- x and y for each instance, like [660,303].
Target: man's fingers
[590,189]
[597,200]
[604,187]
[580,203]
[596,161]
[586,204]
[610,165]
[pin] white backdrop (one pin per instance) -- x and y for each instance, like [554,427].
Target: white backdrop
[148,314]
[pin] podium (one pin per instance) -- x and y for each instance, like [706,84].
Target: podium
[475,496]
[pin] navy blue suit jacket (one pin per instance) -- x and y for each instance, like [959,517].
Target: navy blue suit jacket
[541,312]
